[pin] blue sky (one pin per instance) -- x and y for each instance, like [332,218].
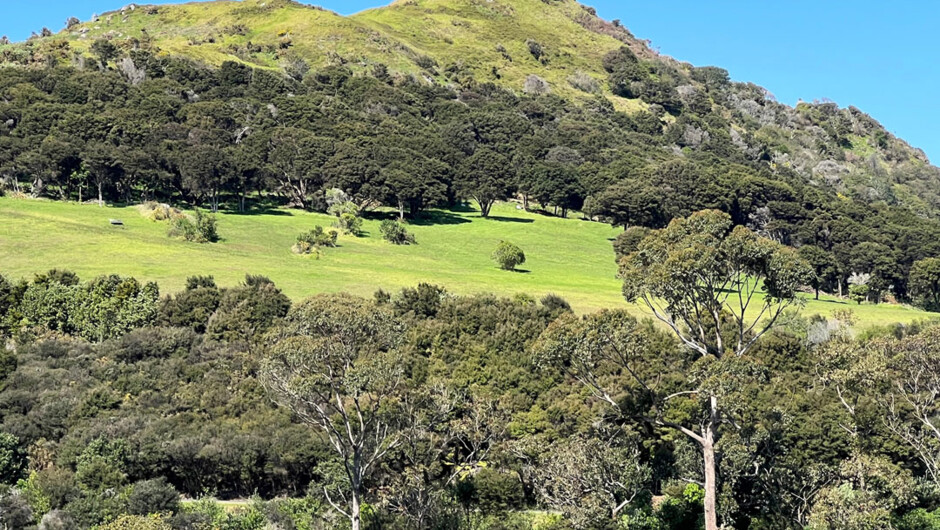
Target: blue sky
[882,57]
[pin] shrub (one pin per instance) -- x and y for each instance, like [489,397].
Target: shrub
[310,242]
[629,240]
[12,458]
[15,512]
[153,496]
[394,232]
[57,520]
[584,82]
[859,292]
[159,212]
[508,256]
[535,49]
[536,86]
[346,211]
[136,522]
[201,228]
[555,303]
[423,301]
[349,223]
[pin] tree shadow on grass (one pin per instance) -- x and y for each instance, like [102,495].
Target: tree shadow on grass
[510,219]
[438,217]
[262,210]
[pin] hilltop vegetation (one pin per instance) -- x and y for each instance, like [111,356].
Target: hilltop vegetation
[427,103]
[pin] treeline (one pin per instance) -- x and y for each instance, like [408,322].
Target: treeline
[143,128]
[422,409]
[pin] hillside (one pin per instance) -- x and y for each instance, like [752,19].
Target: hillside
[453,250]
[456,42]
[252,105]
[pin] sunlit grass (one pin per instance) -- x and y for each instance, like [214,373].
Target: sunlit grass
[569,257]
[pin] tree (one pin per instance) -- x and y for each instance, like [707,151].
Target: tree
[332,362]
[859,292]
[205,171]
[589,479]
[508,256]
[632,203]
[487,177]
[924,283]
[296,158]
[101,160]
[557,184]
[699,277]
[105,51]
[825,267]
[248,311]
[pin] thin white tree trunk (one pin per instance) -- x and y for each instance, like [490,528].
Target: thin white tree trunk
[711,479]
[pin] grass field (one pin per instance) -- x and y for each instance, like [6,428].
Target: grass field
[569,257]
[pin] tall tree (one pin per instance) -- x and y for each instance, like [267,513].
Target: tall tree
[703,279]
[925,283]
[487,177]
[295,159]
[332,362]
[824,264]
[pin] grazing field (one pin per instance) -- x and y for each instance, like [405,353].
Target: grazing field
[569,257]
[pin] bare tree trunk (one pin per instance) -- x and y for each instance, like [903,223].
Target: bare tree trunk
[100,196]
[401,211]
[354,515]
[711,482]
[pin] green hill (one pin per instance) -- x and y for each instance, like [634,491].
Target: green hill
[561,42]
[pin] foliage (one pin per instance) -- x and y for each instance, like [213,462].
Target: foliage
[395,232]
[508,256]
[925,283]
[12,459]
[201,228]
[310,242]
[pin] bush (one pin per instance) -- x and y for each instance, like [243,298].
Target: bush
[153,496]
[345,210]
[136,522]
[423,301]
[555,303]
[628,241]
[57,520]
[508,256]
[584,82]
[159,212]
[12,459]
[311,241]
[201,228]
[349,223]
[394,232]
[15,512]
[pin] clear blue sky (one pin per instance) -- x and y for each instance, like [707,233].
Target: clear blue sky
[882,57]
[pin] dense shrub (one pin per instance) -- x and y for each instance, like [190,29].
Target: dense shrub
[312,241]
[12,459]
[201,228]
[153,496]
[508,256]
[395,232]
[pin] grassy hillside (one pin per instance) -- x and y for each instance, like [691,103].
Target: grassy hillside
[486,39]
[569,257]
